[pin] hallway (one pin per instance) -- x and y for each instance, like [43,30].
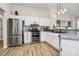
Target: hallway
[1,44]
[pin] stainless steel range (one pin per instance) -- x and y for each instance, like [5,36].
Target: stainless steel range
[35,33]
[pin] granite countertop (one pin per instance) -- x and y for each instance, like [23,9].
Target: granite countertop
[69,35]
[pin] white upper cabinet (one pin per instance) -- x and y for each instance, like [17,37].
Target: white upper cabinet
[44,22]
[26,20]
[17,17]
[37,20]
[33,20]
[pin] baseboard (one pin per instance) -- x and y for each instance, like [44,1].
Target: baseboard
[5,47]
[52,46]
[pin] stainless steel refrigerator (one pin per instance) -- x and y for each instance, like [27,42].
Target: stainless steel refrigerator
[14,32]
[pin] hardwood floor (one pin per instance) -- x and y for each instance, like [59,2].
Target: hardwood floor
[1,44]
[38,49]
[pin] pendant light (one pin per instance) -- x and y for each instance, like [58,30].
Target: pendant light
[60,10]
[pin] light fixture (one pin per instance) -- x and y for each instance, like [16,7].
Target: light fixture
[63,12]
[65,9]
[59,12]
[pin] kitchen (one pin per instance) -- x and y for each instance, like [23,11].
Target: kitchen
[27,26]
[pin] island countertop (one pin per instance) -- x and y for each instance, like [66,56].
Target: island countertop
[69,35]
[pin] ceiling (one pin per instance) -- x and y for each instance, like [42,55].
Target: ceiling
[72,8]
[37,5]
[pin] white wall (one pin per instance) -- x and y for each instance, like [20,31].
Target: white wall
[73,23]
[5,7]
[29,11]
[52,19]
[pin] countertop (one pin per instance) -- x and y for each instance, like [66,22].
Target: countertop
[69,35]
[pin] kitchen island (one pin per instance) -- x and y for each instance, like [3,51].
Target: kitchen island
[69,42]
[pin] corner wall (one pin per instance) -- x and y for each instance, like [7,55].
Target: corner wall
[5,7]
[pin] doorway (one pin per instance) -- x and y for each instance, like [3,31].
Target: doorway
[1,28]
[1,40]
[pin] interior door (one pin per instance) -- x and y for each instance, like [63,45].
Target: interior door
[1,41]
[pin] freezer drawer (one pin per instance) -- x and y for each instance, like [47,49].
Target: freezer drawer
[14,40]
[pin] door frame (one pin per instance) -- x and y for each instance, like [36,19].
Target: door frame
[2,18]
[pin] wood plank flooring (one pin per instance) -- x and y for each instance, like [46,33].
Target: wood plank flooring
[1,43]
[37,49]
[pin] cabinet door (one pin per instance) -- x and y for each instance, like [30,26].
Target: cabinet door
[35,20]
[31,20]
[52,39]
[43,36]
[27,20]
[44,22]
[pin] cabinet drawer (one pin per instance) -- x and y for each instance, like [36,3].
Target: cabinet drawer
[27,37]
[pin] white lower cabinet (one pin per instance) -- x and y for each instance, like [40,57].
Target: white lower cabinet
[52,39]
[27,37]
[49,37]
[42,36]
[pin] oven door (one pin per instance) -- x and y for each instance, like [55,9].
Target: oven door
[35,37]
